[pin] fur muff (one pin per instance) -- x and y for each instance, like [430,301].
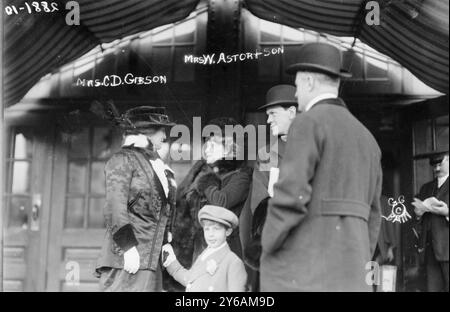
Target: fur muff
[205,180]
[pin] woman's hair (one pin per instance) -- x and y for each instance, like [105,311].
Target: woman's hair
[228,142]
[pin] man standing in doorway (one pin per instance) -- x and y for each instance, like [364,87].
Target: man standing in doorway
[323,222]
[431,209]
[281,109]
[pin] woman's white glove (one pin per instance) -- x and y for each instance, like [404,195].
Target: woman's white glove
[168,255]
[131,260]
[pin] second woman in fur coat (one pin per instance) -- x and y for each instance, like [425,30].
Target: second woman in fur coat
[220,179]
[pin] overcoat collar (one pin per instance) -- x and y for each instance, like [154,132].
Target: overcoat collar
[335,101]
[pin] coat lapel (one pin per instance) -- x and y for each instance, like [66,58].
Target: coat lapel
[443,189]
[159,168]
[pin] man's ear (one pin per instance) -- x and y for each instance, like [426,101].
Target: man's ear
[228,231]
[311,81]
[292,111]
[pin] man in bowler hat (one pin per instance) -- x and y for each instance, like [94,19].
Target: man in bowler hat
[281,109]
[323,222]
[431,208]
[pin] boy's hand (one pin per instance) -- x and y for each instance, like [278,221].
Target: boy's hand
[168,255]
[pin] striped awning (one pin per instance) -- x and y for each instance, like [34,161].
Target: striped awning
[412,32]
[37,43]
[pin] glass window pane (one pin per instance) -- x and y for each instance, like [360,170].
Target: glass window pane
[269,67]
[270,32]
[162,61]
[292,34]
[97,178]
[162,34]
[311,36]
[18,212]
[184,32]
[77,177]
[290,57]
[83,67]
[79,146]
[66,77]
[96,219]
[422,137]
[376,67]
[74,213]
[21,177]
[23,144]
[354,63]
[183,72]
[442,133]
[102,145]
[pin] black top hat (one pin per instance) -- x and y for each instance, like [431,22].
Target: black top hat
[144,117]
[283,95]
[319,57]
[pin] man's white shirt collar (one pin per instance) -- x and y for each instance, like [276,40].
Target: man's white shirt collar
[442,180]
[319,98]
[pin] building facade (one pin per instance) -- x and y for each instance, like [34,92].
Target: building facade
[56,148]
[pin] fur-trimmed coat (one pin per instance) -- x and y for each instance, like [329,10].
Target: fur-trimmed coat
[225,184]
[137,211]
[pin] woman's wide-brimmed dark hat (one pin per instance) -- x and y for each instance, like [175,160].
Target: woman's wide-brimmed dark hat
[319,57]
[144,117]
[283,95]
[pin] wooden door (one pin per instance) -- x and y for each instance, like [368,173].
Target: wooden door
[26,207]
[77,223]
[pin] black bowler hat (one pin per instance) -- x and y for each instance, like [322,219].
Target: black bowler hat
[319,57]
[144,117]
[283,95]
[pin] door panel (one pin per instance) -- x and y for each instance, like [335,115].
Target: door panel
[77,224]
[25,208]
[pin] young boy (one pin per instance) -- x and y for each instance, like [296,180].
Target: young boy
[217,268]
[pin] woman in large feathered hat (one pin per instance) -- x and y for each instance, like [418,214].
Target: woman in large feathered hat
[140,199]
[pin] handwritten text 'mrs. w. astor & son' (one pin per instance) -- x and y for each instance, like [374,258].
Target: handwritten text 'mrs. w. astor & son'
[210,59]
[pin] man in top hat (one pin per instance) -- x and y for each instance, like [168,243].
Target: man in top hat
[431,208]
[281,109]
[323,221]
[217,268]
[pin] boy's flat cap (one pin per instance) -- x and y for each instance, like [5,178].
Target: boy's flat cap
[218,214]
